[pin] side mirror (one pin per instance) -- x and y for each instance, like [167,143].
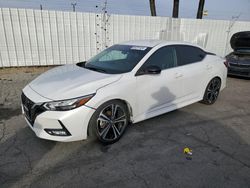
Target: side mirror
[153,69]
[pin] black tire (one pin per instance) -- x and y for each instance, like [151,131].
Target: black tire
[109,122]
[212,91]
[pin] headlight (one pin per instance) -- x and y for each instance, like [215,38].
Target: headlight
[67,104]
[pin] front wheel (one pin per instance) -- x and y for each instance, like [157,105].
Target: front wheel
[109,121]
[212,91]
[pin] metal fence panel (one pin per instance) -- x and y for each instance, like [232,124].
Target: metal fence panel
[35,38]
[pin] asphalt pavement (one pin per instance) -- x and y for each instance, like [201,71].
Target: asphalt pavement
[150,154]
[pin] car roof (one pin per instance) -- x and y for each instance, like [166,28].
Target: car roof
[154,42]
[147,43]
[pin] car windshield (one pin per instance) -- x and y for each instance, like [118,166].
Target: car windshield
[117,59]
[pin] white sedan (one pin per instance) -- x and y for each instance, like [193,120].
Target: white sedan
[126,83]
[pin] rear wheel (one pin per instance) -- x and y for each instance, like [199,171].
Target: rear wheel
[212,91]
[109,121]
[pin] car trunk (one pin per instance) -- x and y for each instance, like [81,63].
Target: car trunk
[240,40]
[240,43]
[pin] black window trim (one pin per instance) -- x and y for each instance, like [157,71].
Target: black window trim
[139,73]
[205,53]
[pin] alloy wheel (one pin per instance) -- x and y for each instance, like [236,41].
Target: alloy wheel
[111,122]
[213,90]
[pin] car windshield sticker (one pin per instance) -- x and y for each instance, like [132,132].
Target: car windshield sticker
[138,48]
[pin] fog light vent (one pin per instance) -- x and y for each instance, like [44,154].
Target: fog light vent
[58,132]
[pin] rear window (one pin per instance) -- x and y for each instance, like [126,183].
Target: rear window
[189,54]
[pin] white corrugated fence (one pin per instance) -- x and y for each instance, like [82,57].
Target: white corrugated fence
[35,38]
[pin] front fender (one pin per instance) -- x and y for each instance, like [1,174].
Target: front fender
[124,89]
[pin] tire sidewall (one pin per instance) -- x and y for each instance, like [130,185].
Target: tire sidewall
[205,99]
[92,127]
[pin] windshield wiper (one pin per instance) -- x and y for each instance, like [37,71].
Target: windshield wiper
[95,69]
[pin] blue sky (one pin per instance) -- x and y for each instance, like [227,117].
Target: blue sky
[217,9]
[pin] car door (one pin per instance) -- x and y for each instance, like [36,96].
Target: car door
[192,71]
[157,91]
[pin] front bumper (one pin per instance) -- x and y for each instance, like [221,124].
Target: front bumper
[74,121]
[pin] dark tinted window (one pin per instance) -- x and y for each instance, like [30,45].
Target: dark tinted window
[188,54]
[164,58]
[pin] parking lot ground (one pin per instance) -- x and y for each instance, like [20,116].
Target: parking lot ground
[150,154]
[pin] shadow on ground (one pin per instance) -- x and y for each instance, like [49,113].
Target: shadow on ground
[7,113]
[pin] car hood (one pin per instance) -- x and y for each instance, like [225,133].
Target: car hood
[240,40]
[70,81]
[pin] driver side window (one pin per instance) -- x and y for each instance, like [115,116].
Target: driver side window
[164,58]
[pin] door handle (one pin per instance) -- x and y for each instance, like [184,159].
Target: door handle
[178,75]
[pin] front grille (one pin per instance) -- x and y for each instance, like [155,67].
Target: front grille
[31,110]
